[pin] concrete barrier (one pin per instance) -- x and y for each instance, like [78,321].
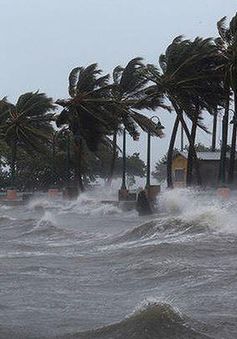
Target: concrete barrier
[70,193]
[127,205]
[53,193]
[11,195]
[223,192]
[123,194]
[152,191]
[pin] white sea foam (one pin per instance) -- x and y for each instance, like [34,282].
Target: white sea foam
[90,203]
[201,208]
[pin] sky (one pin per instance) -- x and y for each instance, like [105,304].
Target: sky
[41,41]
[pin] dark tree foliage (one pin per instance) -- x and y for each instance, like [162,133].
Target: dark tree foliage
[88,110]
[40,171]
[26,124]
[190,77]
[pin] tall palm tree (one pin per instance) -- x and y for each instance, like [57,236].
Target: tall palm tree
[26,124]
[214,130]
[93,112]
[188,79]
[87,112]
[227,44]
[126,81]
[128,90]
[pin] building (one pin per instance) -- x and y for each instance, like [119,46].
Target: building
[209,163]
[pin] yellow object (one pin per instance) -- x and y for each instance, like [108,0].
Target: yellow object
[179,171]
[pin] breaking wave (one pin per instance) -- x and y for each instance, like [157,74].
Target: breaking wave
[85,205]
[47,226]
[184,215]
[200,208]
[166,226]
[88,206]
[155,321]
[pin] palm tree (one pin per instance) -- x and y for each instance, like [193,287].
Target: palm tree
[26,124]
[96,110]
[188,80]
[214,130]
[126,81]
[227,44]
[87,112]
[128,91]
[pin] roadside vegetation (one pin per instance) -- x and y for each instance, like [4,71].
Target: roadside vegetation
[46,142]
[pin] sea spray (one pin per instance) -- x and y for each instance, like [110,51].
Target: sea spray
[201,208]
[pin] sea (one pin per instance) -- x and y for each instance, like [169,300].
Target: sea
[84,269]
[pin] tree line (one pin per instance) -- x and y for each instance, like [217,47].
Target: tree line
[193,78]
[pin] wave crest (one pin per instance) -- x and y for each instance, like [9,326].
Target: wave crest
[165,227]
[156,321]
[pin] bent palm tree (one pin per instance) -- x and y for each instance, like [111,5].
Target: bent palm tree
[27,124]
[87,112]
[128,91]
[93,112]
[227,45]
[188,80]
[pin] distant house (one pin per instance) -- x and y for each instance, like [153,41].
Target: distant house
[209,163]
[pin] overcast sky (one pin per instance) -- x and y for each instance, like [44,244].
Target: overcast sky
[41,41]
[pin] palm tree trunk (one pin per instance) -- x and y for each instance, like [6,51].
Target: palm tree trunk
[112,164]
[233,144]
[194,153]
[232,155]
[170,153]
[13,163]
[78,165]
[68,159]
[186,130]
[190,153]
[222,169]
[54,159]
[214,127]
[182,139]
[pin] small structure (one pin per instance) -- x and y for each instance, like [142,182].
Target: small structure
[143,204]
[11,194]
[53,193]
[209,163]
[71,192]
[152,192]
[223,193]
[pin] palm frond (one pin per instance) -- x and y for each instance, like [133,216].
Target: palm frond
[117,73]
[73,79]
[148,125]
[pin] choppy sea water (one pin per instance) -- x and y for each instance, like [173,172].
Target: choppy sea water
[86,270]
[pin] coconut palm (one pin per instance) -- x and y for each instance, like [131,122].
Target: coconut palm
[126,82]
[93,112]
[87,112]
[188,79]
[128,91]
[227,44]
[26,124]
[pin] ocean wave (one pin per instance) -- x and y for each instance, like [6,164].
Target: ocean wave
[199,208]
[155,321]
[6,218]
[47,227]
[85,205]
[165,226]
[88,206]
